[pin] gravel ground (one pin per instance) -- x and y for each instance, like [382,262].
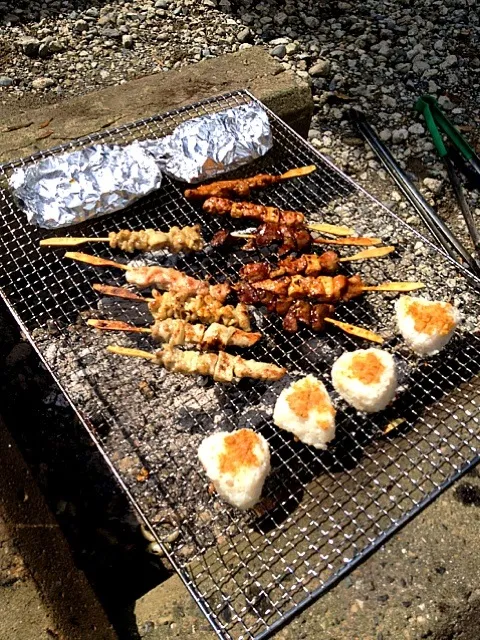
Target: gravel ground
[377,55]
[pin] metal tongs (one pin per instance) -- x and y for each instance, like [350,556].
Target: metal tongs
[438,229]
[436,121]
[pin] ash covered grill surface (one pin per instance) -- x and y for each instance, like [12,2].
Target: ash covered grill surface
[322,511]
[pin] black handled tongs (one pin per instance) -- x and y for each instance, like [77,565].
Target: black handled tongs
[438,229]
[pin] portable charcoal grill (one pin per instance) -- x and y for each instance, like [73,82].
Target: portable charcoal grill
[323,511]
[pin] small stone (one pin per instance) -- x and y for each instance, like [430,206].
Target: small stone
[43,83]
[320,69]
[162,4]
[445,102]
[433,185]
[312,22]
[449,61]
[279,51]
[56,47]
[419,66]
[5,81]
[417,128]
[399,135]
[44,50]
[29,46]
[111,33]
[432,87]
[127,41]
[280,18]
[385,135]
[244,35]
[80,26]
[106,19]
[291,47]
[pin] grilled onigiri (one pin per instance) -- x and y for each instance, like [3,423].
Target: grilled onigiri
[366,379]
[237,463]
[305,409]
[426,326]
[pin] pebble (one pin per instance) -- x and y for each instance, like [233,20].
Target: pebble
[279,51]
[29,46]
[43,83]
[127,41]
[5,81]
[321,68]
[433,185]
[398,135]
[417,128]
[244,35]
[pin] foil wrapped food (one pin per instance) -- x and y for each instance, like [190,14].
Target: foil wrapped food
[210,145]
[72,187]
[61,190]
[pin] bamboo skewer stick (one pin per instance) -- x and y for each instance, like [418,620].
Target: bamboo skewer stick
[395,286]
[119,292]
[335,230]
[367,254]
[297,172]
[116,325]
[359,332]
[69,242]
[96,261]
[125,351]
[354,242]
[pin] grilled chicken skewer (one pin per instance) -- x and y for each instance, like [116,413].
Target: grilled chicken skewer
[223,367]
[329,289]
[307,264]
[176,239]
[161,277]
[260,212]
[200,308]
[313,315]
[290,238]
[179,333]
[243,186]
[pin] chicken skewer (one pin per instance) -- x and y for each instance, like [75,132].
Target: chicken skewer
[243,186]
[269,214]
[200,308]
[178,332]
[313,315]
[223,367]
[156,276]
[176,239]
[307,264]
[329,289]
[289,237]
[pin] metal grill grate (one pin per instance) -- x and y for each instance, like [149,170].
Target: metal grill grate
[323,511]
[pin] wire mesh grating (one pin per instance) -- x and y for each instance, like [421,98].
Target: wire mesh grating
[322,511]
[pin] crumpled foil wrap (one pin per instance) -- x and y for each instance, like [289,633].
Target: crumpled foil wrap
[213,144]
[67,189]
[72,187]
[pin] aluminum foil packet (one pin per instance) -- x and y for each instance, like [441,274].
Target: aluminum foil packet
[67,189]
[213,144]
